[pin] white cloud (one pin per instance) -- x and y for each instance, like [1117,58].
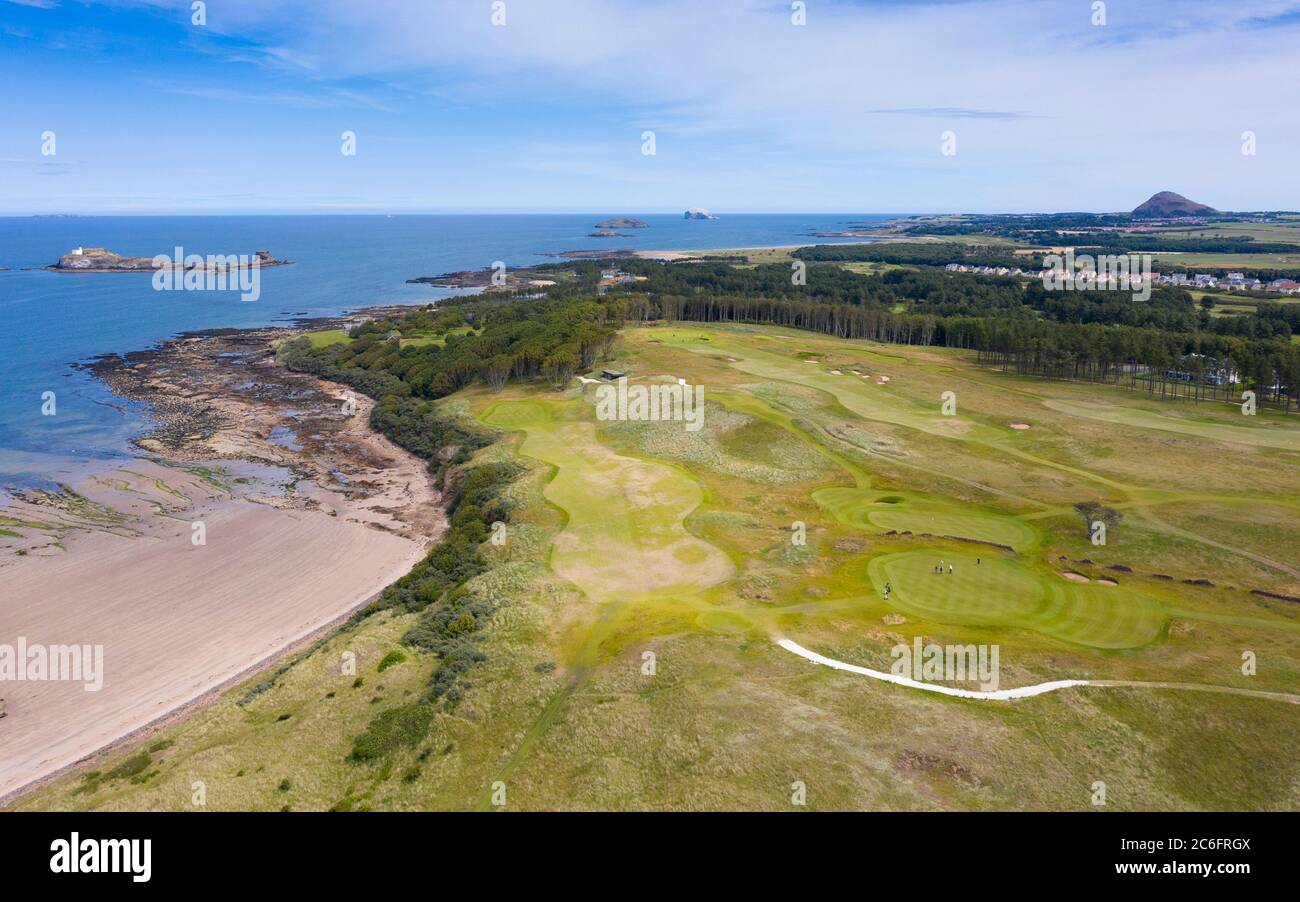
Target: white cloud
[1049,110]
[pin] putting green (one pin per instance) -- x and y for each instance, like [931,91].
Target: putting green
[991,593]
[1102,616]
[883,511]
[625,536]
[999,593]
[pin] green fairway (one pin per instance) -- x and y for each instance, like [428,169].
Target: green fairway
[328,337]
[1260,432]
[430,338]
[624,537]
[886,511]
[863,395]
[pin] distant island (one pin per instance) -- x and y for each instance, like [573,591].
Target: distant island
[1167,205]
[622,222]
[98,259]
[698,213]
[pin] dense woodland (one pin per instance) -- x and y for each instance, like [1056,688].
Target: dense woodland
[1092,335]
[511,338]
[919,254]
[1087,335]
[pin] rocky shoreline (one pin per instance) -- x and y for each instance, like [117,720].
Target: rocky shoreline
[220,395]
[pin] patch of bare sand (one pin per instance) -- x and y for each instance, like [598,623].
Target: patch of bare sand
[175,620]
[674,256]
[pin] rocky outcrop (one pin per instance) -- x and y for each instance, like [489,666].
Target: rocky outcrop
[98,259]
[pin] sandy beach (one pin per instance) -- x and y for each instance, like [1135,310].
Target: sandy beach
[306,514]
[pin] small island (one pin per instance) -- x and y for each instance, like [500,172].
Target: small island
[623,222]
[607,233]
[698,213]
[98,259]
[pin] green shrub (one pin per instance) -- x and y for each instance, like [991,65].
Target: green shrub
[393,729]
[131,767]
[393,657]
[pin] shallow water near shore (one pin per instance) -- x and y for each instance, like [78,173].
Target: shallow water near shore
[53,321]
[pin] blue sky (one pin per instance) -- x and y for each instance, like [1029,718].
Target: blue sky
[751,113]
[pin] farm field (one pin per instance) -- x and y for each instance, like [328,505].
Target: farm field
[1170,261]
[649,572]
[1283,229]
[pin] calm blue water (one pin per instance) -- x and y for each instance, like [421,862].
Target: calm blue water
[49,321]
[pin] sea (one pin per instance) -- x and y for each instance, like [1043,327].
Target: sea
[58,423]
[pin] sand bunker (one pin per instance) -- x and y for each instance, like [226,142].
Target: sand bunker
[1076,577]
[1107,582]
[1019,425]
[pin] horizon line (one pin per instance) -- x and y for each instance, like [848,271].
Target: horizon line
[551,211]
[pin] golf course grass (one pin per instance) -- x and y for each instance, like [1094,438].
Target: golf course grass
[631,659]
[624,536]
[1178,420]
[996,592]
[885,511]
